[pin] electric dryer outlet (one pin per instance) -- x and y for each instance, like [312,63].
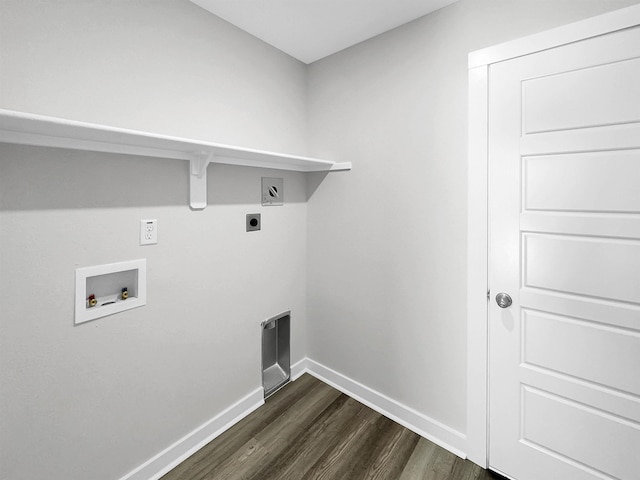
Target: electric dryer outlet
[253,222]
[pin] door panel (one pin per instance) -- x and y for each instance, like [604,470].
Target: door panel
[596,310]
[590,97]
[559,426]
[615,225]
[564,176]
[614,137]
[549,341]
[580,265]
[606,182]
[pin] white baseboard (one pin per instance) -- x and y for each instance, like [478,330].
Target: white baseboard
[298,369]
[172,456]
[424,426]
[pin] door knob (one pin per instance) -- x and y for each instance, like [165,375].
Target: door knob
[503,300]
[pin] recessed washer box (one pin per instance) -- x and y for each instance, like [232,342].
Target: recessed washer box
[99,289]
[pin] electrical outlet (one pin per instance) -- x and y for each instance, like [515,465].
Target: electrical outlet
[253,222]
[148,232]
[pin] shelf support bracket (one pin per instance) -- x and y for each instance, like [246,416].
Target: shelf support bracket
[198,179]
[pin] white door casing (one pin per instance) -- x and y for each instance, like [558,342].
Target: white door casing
[564,153]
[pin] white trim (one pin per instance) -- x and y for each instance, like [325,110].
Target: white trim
[477,275]
[173,455]
[478,191]
[592,27]
[298,369]
[415,421]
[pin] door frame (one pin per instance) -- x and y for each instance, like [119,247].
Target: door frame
[478,194]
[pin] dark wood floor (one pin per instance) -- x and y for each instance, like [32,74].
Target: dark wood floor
[309,430]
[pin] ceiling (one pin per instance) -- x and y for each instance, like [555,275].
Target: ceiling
[312,29]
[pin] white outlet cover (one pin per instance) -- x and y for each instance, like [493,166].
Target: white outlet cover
[148,232]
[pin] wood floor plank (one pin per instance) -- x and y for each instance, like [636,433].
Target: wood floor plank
[362,456]
[419,461]
[391,454]
[337,462]
[270,441]
[305,450]
[199,465]
[441,465]
[310,431]
[464,470]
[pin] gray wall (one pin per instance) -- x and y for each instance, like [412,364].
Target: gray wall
[96,400]
[387,243]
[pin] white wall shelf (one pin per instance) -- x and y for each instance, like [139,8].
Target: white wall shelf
[30,129]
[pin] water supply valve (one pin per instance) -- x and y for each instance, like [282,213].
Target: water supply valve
[92,300]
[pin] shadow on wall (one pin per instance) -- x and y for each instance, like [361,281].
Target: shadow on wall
[35,178]
[314,179]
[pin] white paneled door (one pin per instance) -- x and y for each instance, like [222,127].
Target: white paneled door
[564,176]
